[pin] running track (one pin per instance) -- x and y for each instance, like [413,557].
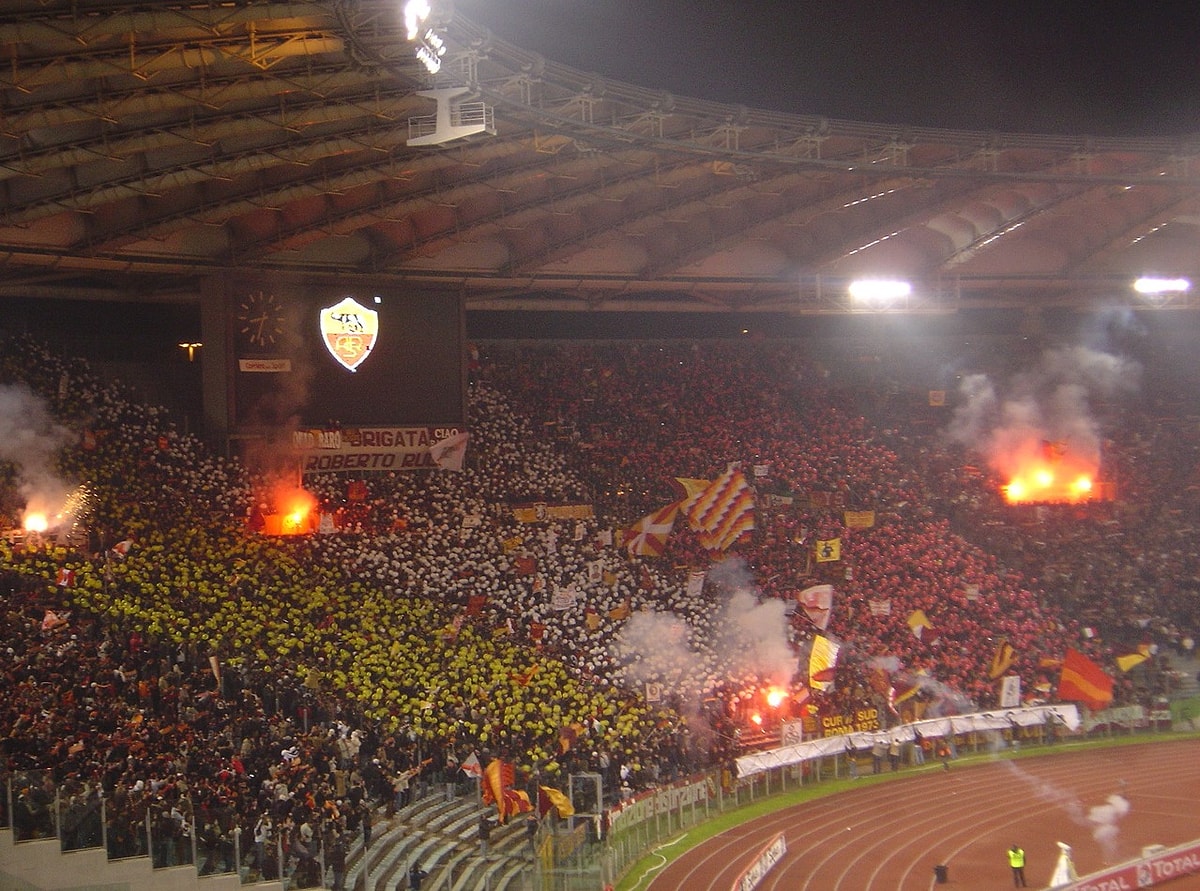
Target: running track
[889,836]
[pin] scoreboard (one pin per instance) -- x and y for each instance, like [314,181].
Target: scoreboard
[305,355]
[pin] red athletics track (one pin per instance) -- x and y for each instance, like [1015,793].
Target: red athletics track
[889,836]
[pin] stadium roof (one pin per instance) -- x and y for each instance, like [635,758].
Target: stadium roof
[148,145]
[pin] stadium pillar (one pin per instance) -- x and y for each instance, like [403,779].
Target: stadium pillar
[214,362]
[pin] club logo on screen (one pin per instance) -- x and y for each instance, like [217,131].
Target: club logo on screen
[349,331]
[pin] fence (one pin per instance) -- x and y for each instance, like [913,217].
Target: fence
[656,817]
[587,853]
[159,822]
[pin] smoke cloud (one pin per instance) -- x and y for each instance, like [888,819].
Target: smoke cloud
[746,642]
[754,633]
[1104,819]
[1050,403]
[32,440]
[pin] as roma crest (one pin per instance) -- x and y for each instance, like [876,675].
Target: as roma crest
[349,331]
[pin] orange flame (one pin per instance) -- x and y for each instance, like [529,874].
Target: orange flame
[1043,483]
[295,513]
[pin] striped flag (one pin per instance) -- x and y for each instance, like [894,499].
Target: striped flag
[1082,680]
[498,779]
[723,512]
[648,536]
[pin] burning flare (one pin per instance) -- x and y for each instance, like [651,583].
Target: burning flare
[1049,474]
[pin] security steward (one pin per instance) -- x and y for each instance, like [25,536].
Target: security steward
[1016,859]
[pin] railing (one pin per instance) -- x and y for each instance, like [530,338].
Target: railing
[659,816]
[162,824]
[585,853]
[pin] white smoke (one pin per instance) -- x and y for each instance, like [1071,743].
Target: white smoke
[655,647]
[752,632]
[1050,402]
[746,641]
[1104,819]
[31,442]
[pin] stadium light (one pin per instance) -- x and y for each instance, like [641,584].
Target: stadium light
[1156,291]
[1153,285]
[877,294]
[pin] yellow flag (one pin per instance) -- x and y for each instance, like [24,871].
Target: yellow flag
[549,797]
[821,663]
[918,622]
[828,550]
[1129,661]
[858,519]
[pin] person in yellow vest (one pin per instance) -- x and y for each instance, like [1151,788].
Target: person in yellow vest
[1016,859]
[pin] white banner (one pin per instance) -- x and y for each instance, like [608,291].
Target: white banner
[1066,714]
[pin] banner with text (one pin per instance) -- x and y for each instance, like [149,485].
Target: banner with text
[359,449]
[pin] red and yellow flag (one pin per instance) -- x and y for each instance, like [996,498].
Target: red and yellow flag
[497,789]
[551,798]
[1082,680]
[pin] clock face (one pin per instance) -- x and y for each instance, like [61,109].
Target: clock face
[260,320]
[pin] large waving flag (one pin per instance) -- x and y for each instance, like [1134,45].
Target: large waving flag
[817,603]
[1082,680]
[821,663]
[723,512]
[550,798]
[498,779]
[648,536]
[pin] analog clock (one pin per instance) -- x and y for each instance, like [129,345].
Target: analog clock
[260,320]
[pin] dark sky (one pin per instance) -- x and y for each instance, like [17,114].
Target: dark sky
[1043,66]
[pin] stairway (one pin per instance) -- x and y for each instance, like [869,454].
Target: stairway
[439,833]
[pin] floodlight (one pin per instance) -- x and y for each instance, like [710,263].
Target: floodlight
[878,294]
[1154,285]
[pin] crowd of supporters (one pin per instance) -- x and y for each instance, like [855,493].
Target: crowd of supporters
[232,686]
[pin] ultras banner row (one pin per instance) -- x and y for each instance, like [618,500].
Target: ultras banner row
[1064,715]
